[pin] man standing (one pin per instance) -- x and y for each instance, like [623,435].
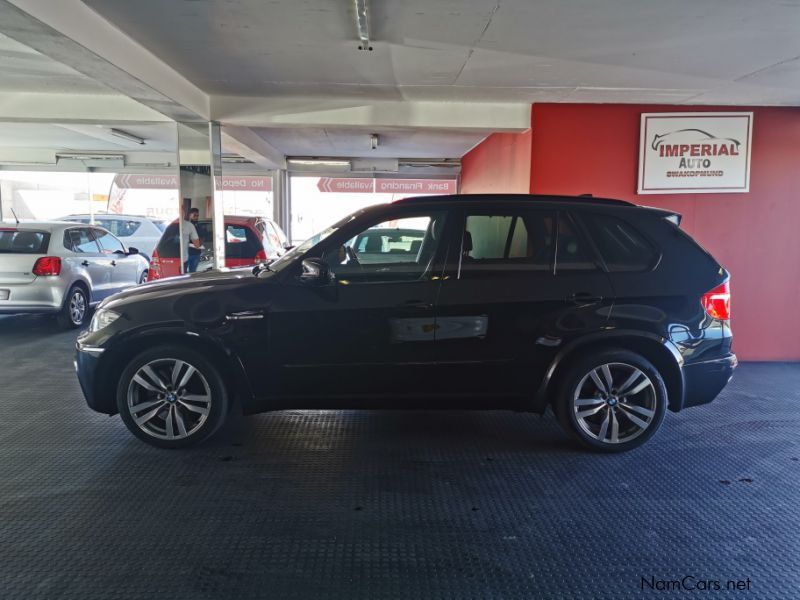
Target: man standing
[191,241]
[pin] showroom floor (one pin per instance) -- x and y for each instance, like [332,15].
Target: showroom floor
[389,504]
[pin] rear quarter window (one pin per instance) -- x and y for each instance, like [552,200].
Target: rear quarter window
[621,245]
[169,246]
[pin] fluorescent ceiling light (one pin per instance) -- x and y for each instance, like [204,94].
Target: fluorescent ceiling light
[84,156]
[236,159]
[424,163]
[319,162]
[127,136]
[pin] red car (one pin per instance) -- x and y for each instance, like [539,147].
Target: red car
[248,240]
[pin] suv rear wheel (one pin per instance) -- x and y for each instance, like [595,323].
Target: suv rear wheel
[612,402]
[172,397]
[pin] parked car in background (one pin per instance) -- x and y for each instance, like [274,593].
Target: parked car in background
[248,240]
[137,231]
[605,311]
[63,268]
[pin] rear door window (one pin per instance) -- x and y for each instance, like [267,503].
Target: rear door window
[13,241]
[507,241]
[623,248]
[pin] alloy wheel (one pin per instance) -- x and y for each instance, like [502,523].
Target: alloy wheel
[615,403]
[169,399]
[77,307]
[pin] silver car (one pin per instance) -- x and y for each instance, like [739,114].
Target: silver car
[63,268]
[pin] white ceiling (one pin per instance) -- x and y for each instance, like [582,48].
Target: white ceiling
[677,51]
[443,73]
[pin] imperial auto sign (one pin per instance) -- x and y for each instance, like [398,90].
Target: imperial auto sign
[687,153]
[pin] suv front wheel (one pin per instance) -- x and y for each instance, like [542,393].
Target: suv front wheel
[612,402]
[172,397]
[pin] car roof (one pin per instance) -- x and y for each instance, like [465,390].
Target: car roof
[231,219]
[551,201]
[489,198]
[112,216]
[41,225]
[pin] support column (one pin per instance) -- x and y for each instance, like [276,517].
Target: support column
[218,193]
[196,184]
[282,201]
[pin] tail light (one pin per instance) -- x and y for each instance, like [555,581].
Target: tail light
[717,302]
[261,255]
[47,265]
[154,272]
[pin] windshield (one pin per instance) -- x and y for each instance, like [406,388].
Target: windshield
[289,257]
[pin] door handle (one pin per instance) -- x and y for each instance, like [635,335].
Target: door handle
[244,316]
[416,304]
[113,263]
[584,298]
[85,263]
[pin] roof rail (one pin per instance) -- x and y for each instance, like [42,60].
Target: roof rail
[585,198]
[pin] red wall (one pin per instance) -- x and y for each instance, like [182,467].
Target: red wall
[501,163]
[594,148]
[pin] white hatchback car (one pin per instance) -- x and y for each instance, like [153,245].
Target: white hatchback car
[132,230]
[63,268]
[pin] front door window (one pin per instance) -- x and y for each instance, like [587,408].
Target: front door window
[399,249]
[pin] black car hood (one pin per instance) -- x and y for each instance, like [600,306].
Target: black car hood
[208,281]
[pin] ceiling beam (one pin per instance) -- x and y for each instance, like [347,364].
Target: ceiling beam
[248,144]
[75,108]
[71,33]
[331,112]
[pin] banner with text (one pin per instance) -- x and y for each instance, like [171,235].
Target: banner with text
[365,185]
[242,183]
[686,153]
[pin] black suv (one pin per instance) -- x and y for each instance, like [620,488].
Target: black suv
[606,311]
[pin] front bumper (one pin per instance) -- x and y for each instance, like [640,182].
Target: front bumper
[703,381]
[87,360]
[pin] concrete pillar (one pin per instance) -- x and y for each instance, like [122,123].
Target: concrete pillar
[218,193]
[282,201]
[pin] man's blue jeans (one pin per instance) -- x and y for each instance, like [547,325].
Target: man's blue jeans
[190,266]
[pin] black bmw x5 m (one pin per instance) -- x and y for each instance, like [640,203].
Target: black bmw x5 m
[605,311]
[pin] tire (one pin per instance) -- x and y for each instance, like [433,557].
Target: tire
[586,402]
[186,410]
[143,277]
[76,308]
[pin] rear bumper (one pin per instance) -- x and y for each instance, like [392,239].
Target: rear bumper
[42,295]
[703,381]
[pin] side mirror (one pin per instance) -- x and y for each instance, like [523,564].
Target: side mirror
[133,251]
[315,270]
